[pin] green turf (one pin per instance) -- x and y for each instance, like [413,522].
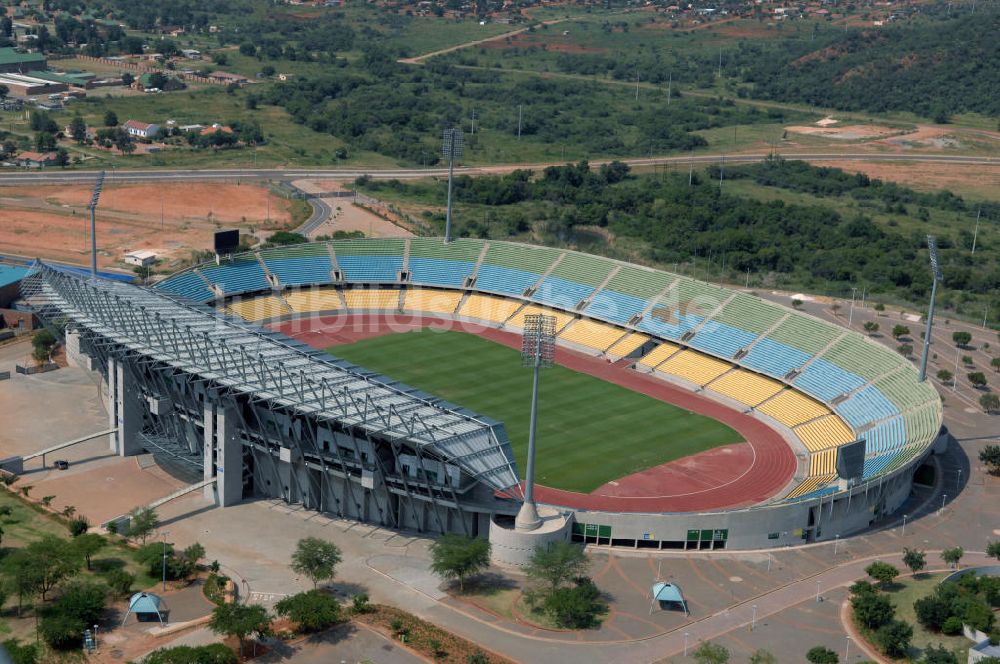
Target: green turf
[589,431]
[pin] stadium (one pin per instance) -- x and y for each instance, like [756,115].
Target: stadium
[377,379]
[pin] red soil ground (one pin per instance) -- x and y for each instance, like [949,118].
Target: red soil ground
[723,478]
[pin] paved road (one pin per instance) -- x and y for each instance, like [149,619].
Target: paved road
[70,176]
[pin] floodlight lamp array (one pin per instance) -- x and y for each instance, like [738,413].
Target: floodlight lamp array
[539,341]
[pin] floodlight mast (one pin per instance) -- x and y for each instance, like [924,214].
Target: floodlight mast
[537,352]
[451,149]
[94,197]
[936,274]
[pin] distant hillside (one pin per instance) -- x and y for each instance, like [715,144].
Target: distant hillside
[935,66]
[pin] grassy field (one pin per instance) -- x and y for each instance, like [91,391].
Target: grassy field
[903,594]
[589,431]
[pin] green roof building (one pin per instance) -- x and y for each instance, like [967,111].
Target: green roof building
[11,61]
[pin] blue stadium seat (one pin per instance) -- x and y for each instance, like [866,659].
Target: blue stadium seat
[868,405]
[675,328]
[878,464]
[504,279]
[239,277]
[885,437]
[614,306]
[721,339]
[188,285]
[439,272]
[562,293]
[774,358]
[301,271]
[370,268]
[827,381]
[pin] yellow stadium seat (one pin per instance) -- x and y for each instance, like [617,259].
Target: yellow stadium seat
[592,334]
[432,301]
[746,387]
[258,308]
[825,432]
[487,307]
[372,298]
[809,485]
[658,354]
[562,319]
[792,408]
[695,367]
[311,300]
[628,345]
[823,463]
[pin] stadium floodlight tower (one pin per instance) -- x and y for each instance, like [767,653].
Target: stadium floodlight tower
[451,148]
[936,274]
[92,206]
[537,351]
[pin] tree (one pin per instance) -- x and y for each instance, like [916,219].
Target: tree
[4,91]
[110,119]
[78,526]
[557,563]
[822,655]
[871,327]
[312,611]
[906,350]
[961,339]
[953,556]
[993,549]
[62,158]
[142,522]
[938,655]
[576,607]
[76,609]
[240,620]
[710,653]
[42,565]
[872,610]
[990,456]
[127,80]
[899,331]
[215,653]
[879,308]
[977,378]
[44,141]
[893,638]
[120,582]
[761,656]
[995,363]
[87,544]
[882,572]
[78,128]
[457,557]
[915,560]
[944,376]
[42,344]
[990,402]
[932,611]
[315,559]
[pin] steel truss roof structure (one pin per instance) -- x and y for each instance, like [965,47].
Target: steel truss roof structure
[267,366]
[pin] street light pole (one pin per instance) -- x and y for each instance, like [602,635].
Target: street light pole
[850,316]
[451,149]
[903,533]
[165,561]
[936,272]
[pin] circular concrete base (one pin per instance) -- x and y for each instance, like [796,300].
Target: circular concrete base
[515,547]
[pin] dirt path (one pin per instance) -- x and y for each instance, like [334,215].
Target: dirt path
[420,58]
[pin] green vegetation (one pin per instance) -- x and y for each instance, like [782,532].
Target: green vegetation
[821,655]
[458,557]
[216,653]
[315,559]
[791,225]
[567,596]
[311,611]
[710,653]
[990,455]
[488,378]
[240,621]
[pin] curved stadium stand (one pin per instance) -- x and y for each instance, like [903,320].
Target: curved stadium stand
[826,385]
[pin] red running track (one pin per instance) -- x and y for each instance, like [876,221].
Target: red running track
[722,478]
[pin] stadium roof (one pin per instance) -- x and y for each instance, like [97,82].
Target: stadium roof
[10,274]
[269,366]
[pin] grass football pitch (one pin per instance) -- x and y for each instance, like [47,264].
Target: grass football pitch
[589,431]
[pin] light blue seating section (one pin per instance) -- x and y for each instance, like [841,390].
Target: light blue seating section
[890,435]
[439,272]
[615,306]
[560,292]
[878,464]
[370,268]
[505,280]
[721,339]
[237,277]
[825,491]
[301,270]
[868,405]
[188,285]
[674,328]
[774,358]
[827,381]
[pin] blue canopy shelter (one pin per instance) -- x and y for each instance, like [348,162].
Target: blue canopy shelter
[147,607]
[668,595]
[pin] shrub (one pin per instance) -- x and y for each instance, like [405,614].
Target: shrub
[78,526]
[577,607]
[215,653]
[893,638]
[312,611]
[26,654]
[360,603]
[822,655]
[952,625]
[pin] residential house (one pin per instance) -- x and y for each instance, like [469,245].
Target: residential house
[141,129]
[36,159]
[227,77]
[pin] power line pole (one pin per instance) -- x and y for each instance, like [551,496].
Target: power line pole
[975,235]
[473,121]
[451,149]
[519,122]
[670,85]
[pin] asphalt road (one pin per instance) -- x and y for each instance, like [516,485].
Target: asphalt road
[70,176]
